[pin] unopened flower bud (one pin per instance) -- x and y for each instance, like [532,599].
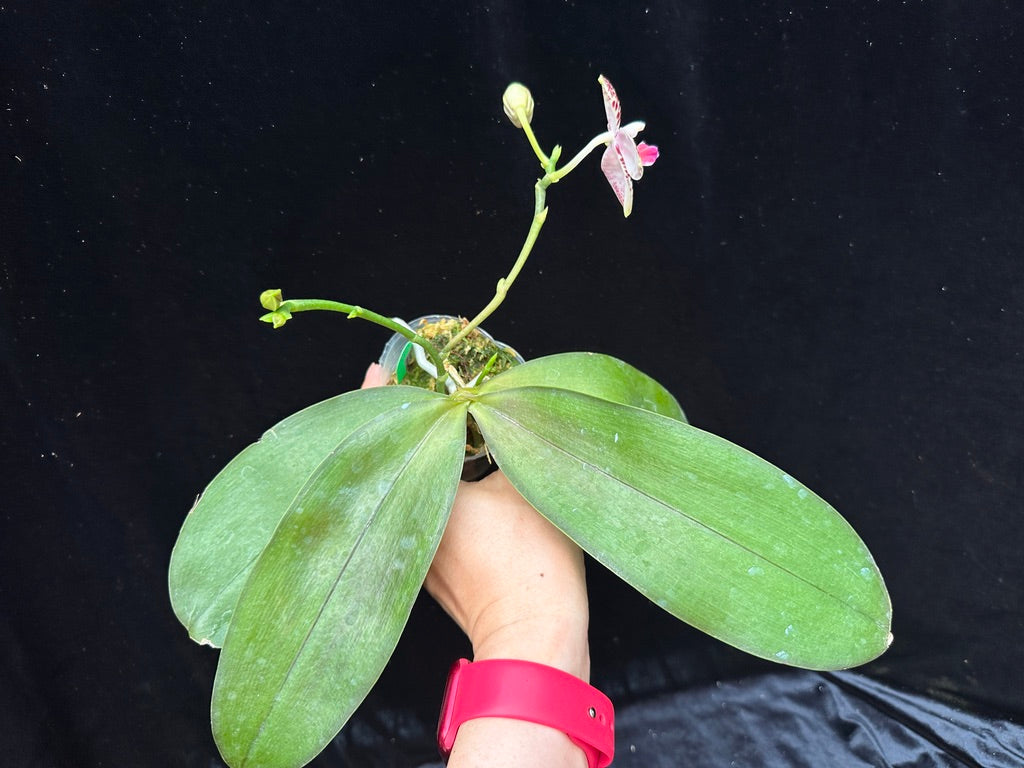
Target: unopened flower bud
[517,100]
[271,299]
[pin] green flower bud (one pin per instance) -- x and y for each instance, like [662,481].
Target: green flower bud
[271,299]
[518,104]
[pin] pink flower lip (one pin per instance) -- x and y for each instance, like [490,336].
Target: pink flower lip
[648,153]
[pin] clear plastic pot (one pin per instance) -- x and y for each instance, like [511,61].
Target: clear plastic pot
[399,355]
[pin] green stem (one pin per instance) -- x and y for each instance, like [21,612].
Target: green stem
[595,142]
[544,161]
[304,305]
[540,214]
[282,310]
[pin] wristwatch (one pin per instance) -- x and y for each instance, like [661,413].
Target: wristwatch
[525,690]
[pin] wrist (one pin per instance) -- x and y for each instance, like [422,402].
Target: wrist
[490,742]
[507,712]
[560,643]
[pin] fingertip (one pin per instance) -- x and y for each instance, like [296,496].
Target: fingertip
[374,376]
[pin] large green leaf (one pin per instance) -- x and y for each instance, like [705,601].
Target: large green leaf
[718,537]
[236,515]
[593,374]
[327,599]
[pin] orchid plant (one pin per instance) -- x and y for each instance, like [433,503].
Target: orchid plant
[304,555]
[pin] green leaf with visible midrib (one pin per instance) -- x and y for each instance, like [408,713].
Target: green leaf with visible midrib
[713,534]
[238,512]
[327,600]
[592,374]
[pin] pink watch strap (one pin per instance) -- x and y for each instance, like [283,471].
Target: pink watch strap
[525,690]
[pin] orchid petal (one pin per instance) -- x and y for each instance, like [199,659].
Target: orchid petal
[615,171]
[612,109]
[648,153]
[634,128]
[630,155]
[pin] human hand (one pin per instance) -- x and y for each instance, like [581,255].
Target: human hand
[511,580]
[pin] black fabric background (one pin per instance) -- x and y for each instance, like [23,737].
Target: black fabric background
[824,266]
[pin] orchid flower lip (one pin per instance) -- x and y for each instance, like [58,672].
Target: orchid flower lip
[648,153]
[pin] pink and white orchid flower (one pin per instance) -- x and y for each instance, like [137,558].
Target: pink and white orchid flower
[624,160]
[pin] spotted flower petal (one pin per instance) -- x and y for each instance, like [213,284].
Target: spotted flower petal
[612,109]
[615,171]
[630,155]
